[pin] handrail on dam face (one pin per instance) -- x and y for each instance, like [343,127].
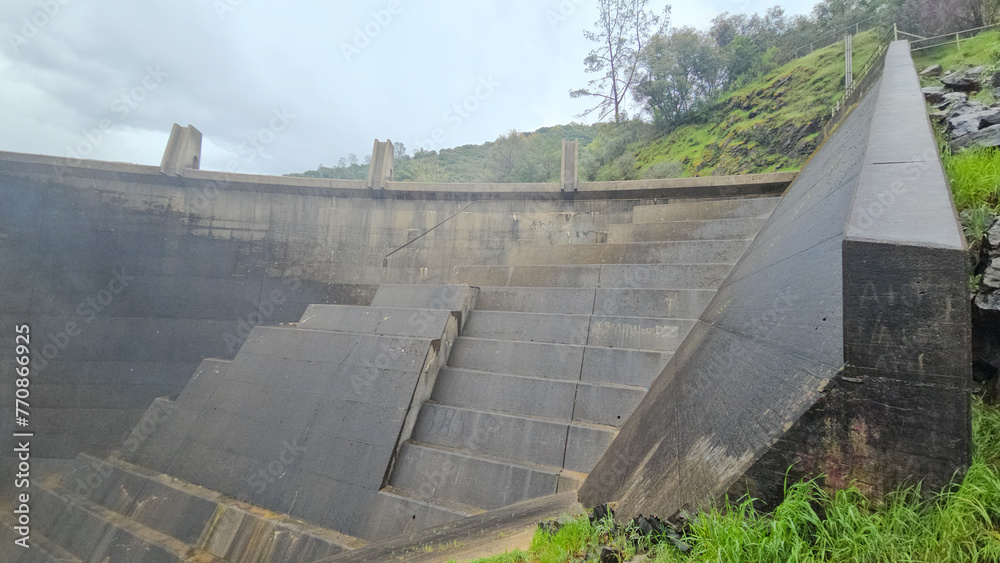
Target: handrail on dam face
[385,259]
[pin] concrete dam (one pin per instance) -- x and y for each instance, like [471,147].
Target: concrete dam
[228,367]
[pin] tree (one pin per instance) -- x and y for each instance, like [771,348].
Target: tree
[352,159]
[623,28]
[507,157]
[679,70]
[399,150]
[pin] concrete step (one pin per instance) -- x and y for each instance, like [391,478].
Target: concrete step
[95,533]
[639,333]
[545,441]
[528,327]
[595,403]
[701,210]
[555,300]
[661,252]
[626,276]
[594,364]
[613,302]
[383,321]
[537,359]
[472,479]
[653,303]
[447,297]
[41,550]
[201,385]
[400,511]
[209,521]
[710,229]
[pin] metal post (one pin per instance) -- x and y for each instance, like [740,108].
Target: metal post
[848,62]
[895,30]
[958,42]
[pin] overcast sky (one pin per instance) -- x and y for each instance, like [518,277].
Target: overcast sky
[278,88]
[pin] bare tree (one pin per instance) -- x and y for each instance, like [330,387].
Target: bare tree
[623,28]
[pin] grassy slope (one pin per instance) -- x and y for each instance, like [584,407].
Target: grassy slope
[753,129]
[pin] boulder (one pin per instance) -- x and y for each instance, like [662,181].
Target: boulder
[991,117]
[993,238]
[966,80]
[933,70]
[964,118]
[952,98]
[989,137]
[934,94]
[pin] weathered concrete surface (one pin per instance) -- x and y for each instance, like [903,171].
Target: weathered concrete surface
[159,512]
[860,267]
[478,536]
[306,421]
[183,151]
[152,273]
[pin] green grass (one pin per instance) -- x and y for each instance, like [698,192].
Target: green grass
[516,556]
[975,178]
[745,130]
[811,524]
[983,49]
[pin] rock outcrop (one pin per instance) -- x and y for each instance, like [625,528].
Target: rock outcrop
[986,314]
[968,123]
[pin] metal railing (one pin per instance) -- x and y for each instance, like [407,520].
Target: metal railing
[385,259]
[946,39]
[832,38]
[870,72]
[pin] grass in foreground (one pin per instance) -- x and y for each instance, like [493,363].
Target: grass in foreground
[975,177]
[960,524]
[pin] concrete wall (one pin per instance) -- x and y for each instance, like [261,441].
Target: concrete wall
[129,278]
[839,343]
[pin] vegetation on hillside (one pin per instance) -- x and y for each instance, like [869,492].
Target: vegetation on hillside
[727,100]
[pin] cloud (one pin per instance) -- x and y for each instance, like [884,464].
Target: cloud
[227,65]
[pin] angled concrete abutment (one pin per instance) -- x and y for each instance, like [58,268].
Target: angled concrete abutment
[838,345]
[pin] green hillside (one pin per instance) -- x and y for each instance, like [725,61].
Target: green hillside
[768,125]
